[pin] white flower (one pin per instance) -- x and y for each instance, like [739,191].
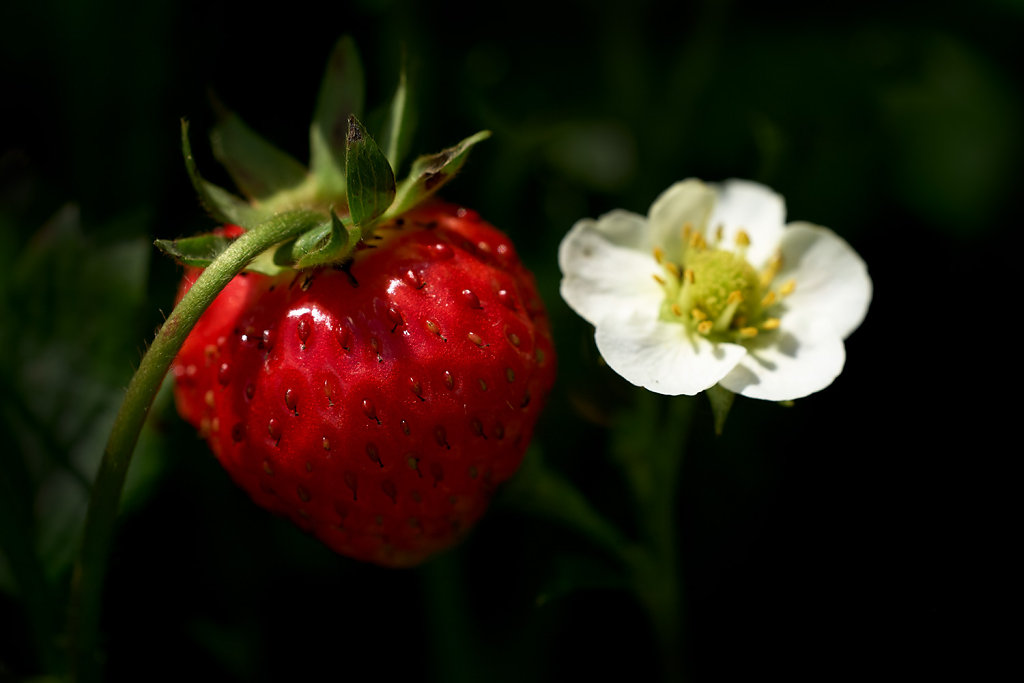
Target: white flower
[712,288]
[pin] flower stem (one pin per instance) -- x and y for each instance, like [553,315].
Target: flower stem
[652,463]
[87,576]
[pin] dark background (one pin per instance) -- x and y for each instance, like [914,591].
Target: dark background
[852,534]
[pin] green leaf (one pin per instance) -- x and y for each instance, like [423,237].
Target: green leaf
[73,310]
[329,243]
[397,132]
[429,173]
[341,96]
[218,202]
[721,402]
[197,251]
[371,182]
[258,168]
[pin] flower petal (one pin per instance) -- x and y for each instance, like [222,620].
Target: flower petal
[803,357]
[832,281]
[602,278]
[662,357]
[689,201]
[755,209]
[626,229]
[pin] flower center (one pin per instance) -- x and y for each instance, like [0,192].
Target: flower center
[717,293]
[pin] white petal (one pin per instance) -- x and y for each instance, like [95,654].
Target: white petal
[601,278]
[742,204]
[803,357]
[832,281]
[689,201]
[626,229]
[662,357]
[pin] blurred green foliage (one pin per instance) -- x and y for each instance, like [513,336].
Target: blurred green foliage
[807,550]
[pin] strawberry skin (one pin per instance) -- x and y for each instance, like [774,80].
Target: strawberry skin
[376,406]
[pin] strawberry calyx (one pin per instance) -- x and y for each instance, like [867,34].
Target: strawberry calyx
[350,184]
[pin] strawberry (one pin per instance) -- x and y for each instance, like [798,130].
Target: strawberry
[376,391]
[378,405]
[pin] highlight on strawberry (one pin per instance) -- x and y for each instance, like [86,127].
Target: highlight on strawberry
[379,370]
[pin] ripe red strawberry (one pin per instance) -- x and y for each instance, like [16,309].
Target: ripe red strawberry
[379,367]
[379,404]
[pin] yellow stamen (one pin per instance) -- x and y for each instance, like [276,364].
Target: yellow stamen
[771,270]
[698,242]
[660,280]
[748,332]
[768,299]
[677,311]
[699,315]
[718,233]
[685,294]
[687,231]
[742,238]
[672,268]
[770,324]
[787,288]
[659,254]
[705,327]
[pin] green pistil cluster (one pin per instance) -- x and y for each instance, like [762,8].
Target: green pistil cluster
[717,293]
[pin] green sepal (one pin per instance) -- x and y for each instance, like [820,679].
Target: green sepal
[259,168]
[721,400]
[396,134]
[199,251]
[266,264]
[341,95]
[331,242]
[218,202]
[430,172]
[371,182]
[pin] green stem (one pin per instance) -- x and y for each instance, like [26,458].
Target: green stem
[87,577]
[540,491]
[657,579]
[454,642]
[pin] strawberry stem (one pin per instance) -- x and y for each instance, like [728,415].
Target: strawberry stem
[90,565]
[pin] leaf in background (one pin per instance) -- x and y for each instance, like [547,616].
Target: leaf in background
[397,131]
[955,133]
[341,96]
[600,154]
[72,327]
[430,172]
[371,182]
[258,168]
